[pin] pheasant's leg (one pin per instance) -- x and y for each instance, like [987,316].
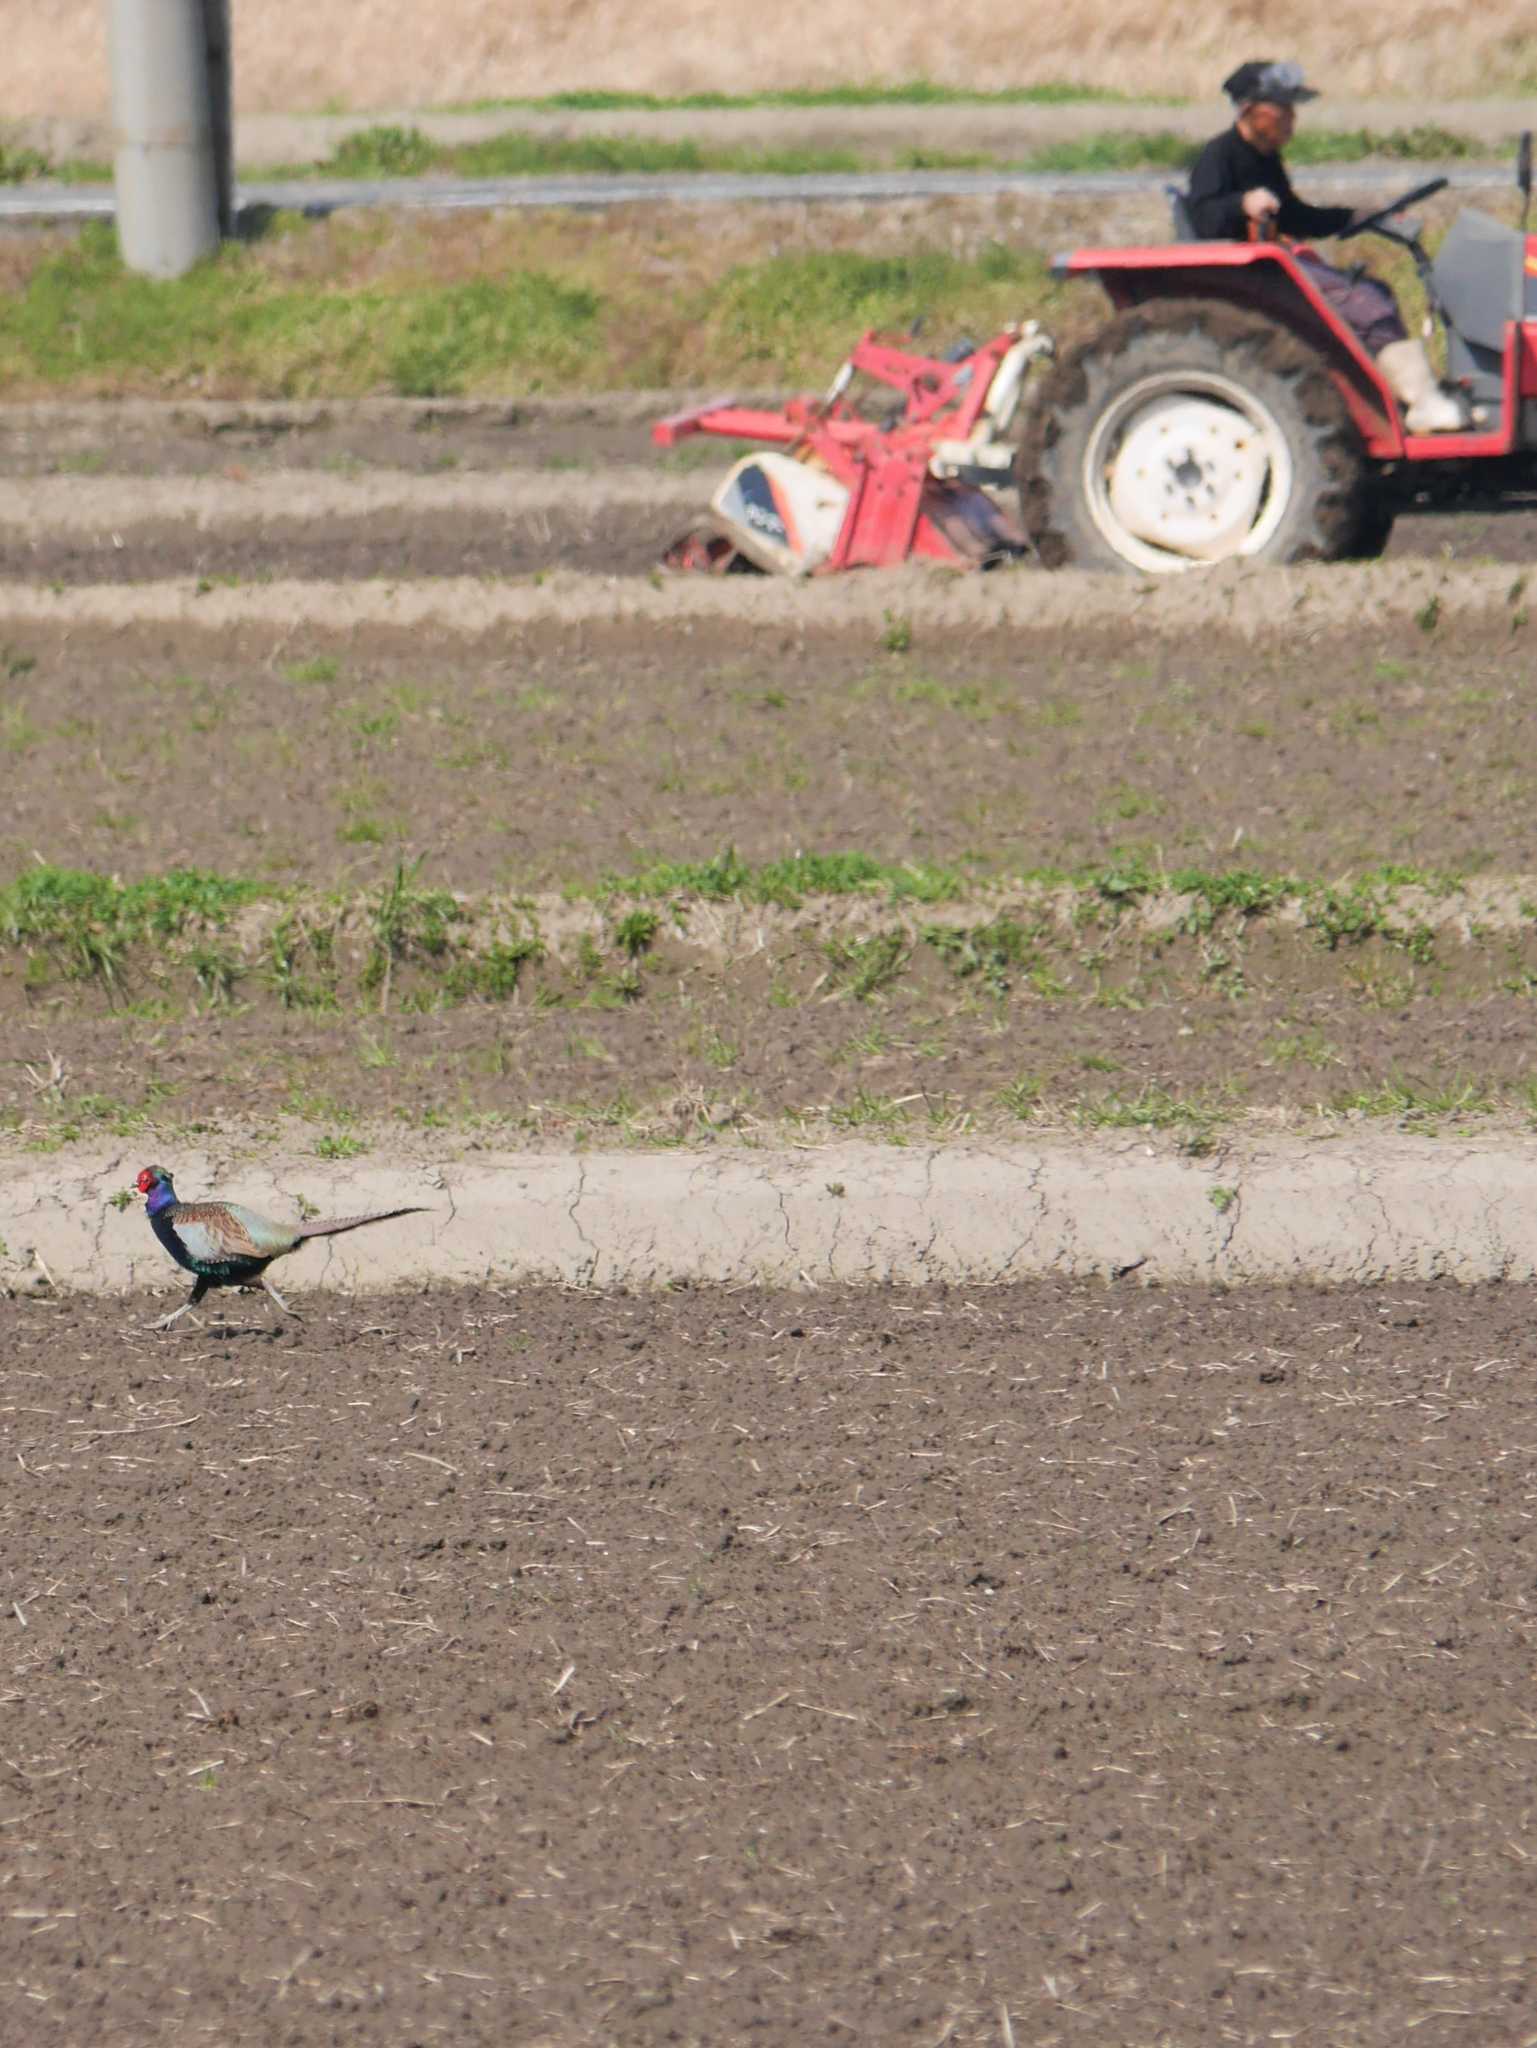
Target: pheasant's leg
[199,1289]
[282,1304]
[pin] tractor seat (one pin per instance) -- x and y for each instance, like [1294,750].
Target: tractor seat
[1179,213]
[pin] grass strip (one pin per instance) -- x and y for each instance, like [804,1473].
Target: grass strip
[367,305]
[1162,149]
[428,946]
[920,957]
[917,92]
[494,303]
[393,150]
[789,881]
[89,922]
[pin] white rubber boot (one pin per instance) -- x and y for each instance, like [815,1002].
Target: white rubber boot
[1428,409]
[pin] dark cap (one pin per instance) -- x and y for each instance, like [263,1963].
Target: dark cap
[1277,81]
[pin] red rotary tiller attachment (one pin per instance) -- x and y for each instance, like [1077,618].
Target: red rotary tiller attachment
[835,490]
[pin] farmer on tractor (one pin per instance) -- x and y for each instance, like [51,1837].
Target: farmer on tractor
[1239,189]
[1242,401]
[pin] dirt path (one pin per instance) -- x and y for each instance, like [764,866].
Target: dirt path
[517,1667]
[500,527]
[412,488]
[350,438]
[1234,599]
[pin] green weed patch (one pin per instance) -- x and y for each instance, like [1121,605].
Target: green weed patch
[1163,149]
[395,151]
[930,1001]
[364,305]
[82,318]
[918,92]
[1121,937]
[759,312]
[87,923]
[790,881]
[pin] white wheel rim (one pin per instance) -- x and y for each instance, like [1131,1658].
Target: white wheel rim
[1186,468]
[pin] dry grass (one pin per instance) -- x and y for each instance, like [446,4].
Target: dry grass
[394,53]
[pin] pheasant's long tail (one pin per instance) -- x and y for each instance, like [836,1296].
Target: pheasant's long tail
[328,1226]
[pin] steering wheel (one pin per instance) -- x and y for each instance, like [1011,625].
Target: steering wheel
[1386,213]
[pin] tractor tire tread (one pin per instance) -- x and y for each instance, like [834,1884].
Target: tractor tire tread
[1246,341]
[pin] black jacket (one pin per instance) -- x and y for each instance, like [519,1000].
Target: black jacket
[1227,168]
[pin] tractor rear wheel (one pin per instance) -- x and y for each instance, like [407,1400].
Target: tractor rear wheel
[1185,434]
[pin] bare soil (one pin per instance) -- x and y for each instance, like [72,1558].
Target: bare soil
[556,755]
[258,439]
[885,1075]
[613,540]
[1062,1663]
[704,1052]
[602,453]
[394,544]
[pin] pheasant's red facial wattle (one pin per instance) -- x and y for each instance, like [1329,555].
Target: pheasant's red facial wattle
[146,1180]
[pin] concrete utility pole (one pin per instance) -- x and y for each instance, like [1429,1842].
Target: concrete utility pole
[171,111]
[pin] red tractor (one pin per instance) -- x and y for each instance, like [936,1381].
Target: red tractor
[1226,411]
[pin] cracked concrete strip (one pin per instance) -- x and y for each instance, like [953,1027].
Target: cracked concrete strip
[1234,598]
[1361,1207]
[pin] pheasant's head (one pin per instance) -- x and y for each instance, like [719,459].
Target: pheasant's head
[155,1182]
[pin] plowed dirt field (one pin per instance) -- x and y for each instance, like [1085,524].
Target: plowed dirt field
[1060,1664]
[510,492]
[1056,1664]
[316,746]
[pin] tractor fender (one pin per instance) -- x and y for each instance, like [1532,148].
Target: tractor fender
[1259,277]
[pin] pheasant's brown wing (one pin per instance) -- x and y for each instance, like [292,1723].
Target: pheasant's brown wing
[222,1234]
